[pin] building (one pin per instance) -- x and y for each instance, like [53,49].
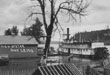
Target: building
[21,52]
[18,47]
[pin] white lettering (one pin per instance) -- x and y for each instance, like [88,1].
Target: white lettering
[14,50]
[30,50]
[22,50]
[12,46]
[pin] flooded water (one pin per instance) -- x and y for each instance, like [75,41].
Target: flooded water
[19,67]
[28,66]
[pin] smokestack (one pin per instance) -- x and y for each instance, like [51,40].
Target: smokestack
[68,34]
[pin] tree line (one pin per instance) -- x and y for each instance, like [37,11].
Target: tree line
[34,30]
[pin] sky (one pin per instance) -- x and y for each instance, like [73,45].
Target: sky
[15,12]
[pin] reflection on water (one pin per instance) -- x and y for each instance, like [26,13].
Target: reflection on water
[14,71]
[25,66]
[19,67]
[28,66]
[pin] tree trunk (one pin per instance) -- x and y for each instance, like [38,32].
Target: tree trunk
[47,44]
[48,39]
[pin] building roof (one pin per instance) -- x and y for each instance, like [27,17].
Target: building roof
[61,69]
[17,40]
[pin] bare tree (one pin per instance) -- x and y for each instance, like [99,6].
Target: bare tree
[51,17]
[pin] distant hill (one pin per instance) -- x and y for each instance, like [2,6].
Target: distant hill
[93,36]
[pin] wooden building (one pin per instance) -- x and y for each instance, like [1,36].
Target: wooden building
[18,47]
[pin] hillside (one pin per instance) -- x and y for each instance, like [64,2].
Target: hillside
[93,36]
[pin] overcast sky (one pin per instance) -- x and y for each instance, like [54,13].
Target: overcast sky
[14,12]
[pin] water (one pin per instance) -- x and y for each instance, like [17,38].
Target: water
[54,60]
[20,67]
[25,66]
[28,66]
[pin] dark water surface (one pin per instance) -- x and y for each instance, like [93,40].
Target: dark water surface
[19,67]
[28,66]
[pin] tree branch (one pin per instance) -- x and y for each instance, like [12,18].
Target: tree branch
[42,5]
[80,9]
[72,16]
[73,11]
[60,8]
[52,12]
[57,28]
